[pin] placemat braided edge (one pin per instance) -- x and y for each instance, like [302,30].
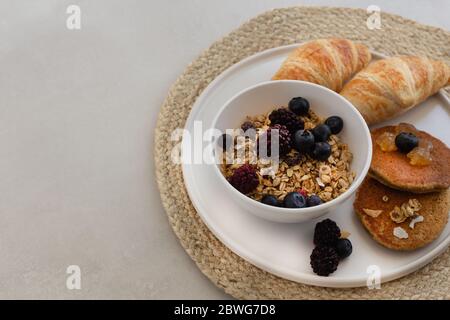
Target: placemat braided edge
[272,29]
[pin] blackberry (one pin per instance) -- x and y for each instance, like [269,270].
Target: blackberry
[244,179]
[324,260]
[286,118]
[247,125]
[326,233]
[284,140]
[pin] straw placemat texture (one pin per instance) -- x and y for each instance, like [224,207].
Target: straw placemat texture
[272,29]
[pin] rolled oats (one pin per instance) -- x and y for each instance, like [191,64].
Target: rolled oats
[289,172]
[325,179]
[319,182]
[328,179]
[305,177]
[276,181]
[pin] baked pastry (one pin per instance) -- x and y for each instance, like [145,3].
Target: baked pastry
[374,203]
[391,86]
[328,62]
[395,170]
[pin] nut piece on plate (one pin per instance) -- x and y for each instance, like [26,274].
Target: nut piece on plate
[372,213]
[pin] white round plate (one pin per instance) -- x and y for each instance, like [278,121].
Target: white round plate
[284,249]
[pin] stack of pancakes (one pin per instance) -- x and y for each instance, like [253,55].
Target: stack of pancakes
[393,181]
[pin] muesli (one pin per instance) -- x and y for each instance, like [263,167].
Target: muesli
[313,164]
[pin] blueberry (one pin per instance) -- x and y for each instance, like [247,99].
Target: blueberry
[225,141]
[270,200]
[406,141]
[299,106]
[335,124]
[303,141]
[313,200]
[321,151]
[344,248]
[321,132]
[294,200]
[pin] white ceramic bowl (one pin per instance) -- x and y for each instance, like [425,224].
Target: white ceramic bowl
[265,97]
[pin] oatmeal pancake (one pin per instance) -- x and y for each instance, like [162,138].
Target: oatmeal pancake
[394,169]
[375,202]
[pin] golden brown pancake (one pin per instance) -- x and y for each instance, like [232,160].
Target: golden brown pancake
[394,170]
[435,208]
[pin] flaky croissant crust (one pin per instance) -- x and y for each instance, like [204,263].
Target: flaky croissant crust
[391,86]
[328,62]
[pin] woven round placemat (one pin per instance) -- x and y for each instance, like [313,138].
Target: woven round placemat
[275,28]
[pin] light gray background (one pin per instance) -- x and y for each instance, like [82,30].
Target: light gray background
[77,114]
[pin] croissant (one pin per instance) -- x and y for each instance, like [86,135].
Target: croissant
[328,62]
[391,86]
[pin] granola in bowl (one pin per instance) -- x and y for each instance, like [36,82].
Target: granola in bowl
[300,175]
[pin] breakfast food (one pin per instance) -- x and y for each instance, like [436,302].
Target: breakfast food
[314,165]
[407,159]
[324,260]
[331,247]
[284,140]
[391,86]
[328,62]
[404,203]
[401,220]
[244,178]
[326,233]
[344,248]
[287,118]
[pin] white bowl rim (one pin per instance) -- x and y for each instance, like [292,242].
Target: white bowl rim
[324,206]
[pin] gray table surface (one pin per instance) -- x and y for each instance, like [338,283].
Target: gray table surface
[77,114]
